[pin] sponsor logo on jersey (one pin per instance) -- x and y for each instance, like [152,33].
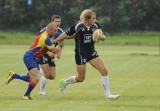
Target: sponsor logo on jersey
[87,38]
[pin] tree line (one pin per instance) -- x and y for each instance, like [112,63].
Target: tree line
[113,15]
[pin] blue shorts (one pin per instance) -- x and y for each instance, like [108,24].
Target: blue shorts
[30,61]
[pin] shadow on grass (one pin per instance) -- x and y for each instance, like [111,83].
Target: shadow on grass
[143,54]
[137,106]
[74,98]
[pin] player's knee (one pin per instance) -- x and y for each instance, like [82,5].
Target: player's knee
[36,78]
[52,77]
[34,81]
[104,71]
[47,75]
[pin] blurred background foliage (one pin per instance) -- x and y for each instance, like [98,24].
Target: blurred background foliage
[113,15]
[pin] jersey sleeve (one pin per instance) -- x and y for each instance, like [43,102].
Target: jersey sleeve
[42,30]
[71,30]
[49,43]
[98,26]
[58,33]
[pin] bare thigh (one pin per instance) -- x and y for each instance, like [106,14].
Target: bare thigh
[34,74]
[99,65]
[49,71]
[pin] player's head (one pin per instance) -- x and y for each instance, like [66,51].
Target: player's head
[88,16]
[52,28]
[56,19]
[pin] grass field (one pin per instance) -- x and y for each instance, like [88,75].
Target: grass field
[132,38]
[134,74]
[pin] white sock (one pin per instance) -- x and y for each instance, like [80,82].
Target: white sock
[41,72]
[43,82]
[70,80]
[105,82]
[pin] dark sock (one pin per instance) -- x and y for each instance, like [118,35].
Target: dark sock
[29,90]
[22,77]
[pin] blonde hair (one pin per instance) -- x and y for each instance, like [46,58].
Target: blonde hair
[86,14]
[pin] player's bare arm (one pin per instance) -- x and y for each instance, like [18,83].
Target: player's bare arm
[62,37]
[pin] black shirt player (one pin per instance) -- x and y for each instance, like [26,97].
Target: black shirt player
[84,43]
[85,51]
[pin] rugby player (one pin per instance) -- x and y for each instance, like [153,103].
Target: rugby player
[42,44]
[47,64]
[85,51]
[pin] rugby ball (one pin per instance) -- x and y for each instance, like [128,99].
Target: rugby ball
[98,35]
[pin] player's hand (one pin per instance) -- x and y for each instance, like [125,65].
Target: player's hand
[98,35]
[51,54]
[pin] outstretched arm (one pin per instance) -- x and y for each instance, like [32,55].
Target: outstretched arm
[62,37]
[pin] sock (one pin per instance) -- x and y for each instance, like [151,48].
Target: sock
[105,82]
[41,72]
[70,80]
[43,83]
[22,77]
[31,86]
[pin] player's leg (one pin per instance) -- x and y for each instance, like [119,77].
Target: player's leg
[43,61]
[81,69]
[34,78]
[42,83]
[99,65]
[30,62]
[51,69]
[34,74]
[48,72]
[13,75]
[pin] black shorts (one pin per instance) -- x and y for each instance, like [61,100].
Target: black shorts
[45,59]
[84,58]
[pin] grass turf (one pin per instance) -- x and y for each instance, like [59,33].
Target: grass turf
[134,74]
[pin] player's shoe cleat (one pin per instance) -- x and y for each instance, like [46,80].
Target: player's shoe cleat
[113,97]
[27,98]
[42,93]
[10,77]
[62,86]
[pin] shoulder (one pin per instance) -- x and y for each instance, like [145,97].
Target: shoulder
[43,37]
[78,24]
[42,30]
[60,30]
[44,34]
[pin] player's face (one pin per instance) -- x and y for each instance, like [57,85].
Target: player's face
[57,21]
[92,20]
[52,28]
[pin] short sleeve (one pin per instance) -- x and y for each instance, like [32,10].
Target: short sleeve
[71,30]
[58,33]
[98,26]
[49,43]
